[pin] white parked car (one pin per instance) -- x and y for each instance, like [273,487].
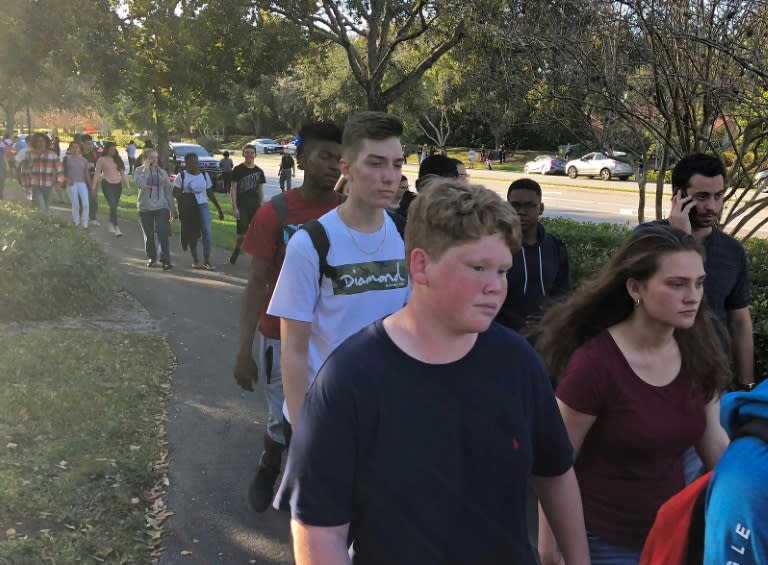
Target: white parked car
[546,165]
[599,164]
[266,146]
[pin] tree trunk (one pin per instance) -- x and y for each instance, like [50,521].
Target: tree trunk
[660,184]
[162,142]
[376,100]
[29,120]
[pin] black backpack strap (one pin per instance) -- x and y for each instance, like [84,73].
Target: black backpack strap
[280,206]
[399,222]
[182,181]
[320,242]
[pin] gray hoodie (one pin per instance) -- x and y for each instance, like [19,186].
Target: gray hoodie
[157,197]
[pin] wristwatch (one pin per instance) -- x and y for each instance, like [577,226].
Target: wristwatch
[742,387]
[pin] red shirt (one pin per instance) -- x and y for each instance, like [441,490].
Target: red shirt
[630,461]
[265,241]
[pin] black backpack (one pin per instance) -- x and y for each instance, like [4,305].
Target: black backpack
[317,232]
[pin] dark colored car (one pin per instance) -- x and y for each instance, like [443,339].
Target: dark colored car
[208,162]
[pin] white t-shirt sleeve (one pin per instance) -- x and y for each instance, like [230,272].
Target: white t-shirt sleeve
[177,181]
[298,287]
[208,181]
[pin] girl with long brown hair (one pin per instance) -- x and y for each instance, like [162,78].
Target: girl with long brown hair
[640,376]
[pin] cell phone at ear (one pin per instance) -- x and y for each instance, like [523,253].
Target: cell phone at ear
[692,211]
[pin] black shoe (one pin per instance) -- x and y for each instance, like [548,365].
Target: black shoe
[151,263]
[234,256]
[208,267]
[262,489]
[167,266]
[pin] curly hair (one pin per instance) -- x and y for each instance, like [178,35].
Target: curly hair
[449,212]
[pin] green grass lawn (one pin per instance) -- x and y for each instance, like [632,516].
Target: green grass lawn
[80,440]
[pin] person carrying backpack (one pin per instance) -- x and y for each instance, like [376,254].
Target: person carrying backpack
[736,519]
[366,276]
[193,188]
[266,239]
[721,517]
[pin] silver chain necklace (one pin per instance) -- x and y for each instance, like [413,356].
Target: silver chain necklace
[360,249]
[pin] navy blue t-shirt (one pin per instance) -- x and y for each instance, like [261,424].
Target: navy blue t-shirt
[427,463]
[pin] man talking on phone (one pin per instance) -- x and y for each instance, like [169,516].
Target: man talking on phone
[698,186]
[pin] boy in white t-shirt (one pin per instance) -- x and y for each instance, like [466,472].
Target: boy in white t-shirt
[370,282]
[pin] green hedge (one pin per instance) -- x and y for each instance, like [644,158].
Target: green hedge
[48,268]
[590,245]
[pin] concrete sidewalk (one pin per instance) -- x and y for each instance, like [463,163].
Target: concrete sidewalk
[215,428]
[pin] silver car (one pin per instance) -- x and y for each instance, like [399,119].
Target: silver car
[599,164]
[546,165]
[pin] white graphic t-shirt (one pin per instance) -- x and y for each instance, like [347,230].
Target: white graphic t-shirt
[367,287]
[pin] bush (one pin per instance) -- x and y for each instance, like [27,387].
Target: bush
[757,251]
[48,268]
[589,245]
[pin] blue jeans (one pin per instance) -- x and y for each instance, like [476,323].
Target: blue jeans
[151,222]
[42,196]
[604,553]
[693,467]
[205,228]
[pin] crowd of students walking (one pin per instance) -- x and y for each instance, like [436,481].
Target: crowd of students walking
[426,359]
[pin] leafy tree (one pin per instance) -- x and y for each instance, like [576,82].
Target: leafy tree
[372,33]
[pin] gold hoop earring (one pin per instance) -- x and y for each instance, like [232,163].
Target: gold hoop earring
[637,302]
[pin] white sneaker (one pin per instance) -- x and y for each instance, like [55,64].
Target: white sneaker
[118,233]
[96,223]
[111,228]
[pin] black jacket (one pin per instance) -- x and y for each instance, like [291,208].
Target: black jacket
[540,273]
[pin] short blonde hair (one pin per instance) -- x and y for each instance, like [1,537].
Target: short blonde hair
[449,212]
[147,153]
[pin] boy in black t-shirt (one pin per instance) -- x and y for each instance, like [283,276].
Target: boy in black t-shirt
[286,171]
[247,194]
[418,437]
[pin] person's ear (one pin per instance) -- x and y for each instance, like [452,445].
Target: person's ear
[418,266]
[634,288]
[541,208]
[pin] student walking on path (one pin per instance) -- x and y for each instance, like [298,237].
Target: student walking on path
[286,171]
[79,179]
[247,194]
[156,208]
[641,373]
[193,188]
[110,169]
[41,171]
[275,223]
[416,441]
[370,279]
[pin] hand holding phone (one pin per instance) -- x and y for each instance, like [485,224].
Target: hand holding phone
[692,212]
